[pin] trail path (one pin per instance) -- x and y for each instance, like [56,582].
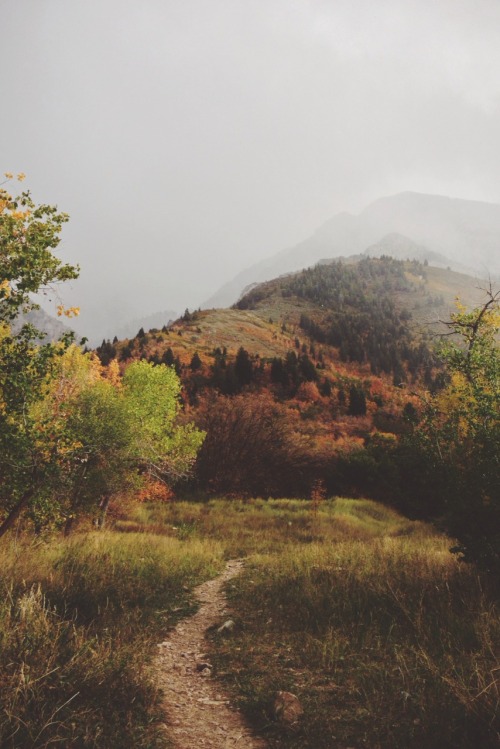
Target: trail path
[198,713]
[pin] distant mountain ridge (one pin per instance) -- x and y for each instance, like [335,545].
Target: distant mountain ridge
[129,328]
[447,232]
[42,321]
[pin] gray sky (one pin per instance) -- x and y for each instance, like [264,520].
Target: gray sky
[190,138]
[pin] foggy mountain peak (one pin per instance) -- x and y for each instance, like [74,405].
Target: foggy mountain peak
[462,234]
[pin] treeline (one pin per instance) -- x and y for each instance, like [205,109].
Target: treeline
[361,317]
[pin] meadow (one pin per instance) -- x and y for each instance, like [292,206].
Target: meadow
[386,638]
[79,621]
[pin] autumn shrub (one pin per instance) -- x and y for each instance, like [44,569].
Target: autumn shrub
[251,448]
[457,438]
[154,491]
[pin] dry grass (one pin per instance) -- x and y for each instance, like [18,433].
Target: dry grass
[261,526]
[78,623]
[387,640]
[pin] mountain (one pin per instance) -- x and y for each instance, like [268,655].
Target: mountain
[448,232]
[333,358]
[42,321]
[367,312]
[400,247]
[158,320]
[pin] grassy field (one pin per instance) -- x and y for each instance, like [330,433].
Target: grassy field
[386,644]
[387,640]
[79,620]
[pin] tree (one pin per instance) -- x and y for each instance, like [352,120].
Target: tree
[106,351]
[307,369]
[251,448]
[97,449]
[278,372]
[195,364]
[106,434]
[357,401]
[458,436]
[28,235]
[243,368]
[72,432]
[164,449]
[168,357]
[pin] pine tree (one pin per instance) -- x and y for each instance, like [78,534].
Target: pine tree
[243,367]
[357,401]
[195,364]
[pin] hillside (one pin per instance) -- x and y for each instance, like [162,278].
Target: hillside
[267,318]
[461,234]
[332,357]
[422,294]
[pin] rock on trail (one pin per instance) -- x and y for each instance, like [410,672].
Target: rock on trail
[198,714]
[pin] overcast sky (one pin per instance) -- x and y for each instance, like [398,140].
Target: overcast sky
[190,138]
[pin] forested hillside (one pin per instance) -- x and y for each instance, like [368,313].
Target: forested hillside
[314,377]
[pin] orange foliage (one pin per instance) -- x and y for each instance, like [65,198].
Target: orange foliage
[308,391]
[155,491]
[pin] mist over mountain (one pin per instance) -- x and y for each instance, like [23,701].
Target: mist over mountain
[129,328]
[47,324]
[461,234]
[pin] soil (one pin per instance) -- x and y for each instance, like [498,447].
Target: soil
[198,713]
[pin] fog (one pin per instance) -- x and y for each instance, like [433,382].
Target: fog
[189,139]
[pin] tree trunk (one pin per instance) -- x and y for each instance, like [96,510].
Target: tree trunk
[103,506]
[68,525]
[16,511]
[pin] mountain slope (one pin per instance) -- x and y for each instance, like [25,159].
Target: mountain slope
[458,233]
[317,366]
[42,321]
[360,311]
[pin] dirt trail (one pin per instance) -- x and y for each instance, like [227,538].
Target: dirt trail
[198,713]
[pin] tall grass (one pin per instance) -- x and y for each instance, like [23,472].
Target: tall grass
[387,639]
[78,620]
[261,526]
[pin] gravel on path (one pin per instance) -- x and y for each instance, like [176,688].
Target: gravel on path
[198,713]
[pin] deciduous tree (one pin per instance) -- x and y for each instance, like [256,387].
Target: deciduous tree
[458,438]
[29,233]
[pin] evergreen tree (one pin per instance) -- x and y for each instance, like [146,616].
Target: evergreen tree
[106,352]
[278,372]
[325,388]
[307,369]
[168,357]
[195,363]
[243,367]
[357,401]
[127,351]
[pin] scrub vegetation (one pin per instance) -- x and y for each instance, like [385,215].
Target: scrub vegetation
[384,635]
